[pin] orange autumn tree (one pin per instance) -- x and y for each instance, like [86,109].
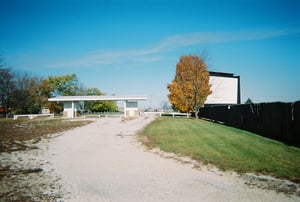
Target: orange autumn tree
[190,87]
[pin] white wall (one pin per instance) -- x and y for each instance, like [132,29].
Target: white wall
[224,90]
[68,111]
[131,108]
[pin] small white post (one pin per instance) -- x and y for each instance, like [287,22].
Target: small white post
[124,109]
[75,109]
[72,110]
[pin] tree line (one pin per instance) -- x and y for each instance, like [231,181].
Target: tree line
[23,94]
[26,94]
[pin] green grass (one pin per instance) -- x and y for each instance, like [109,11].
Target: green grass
[226,147]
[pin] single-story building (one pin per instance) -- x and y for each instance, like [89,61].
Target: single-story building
[71,105]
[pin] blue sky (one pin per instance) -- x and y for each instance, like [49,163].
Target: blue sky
[132,47]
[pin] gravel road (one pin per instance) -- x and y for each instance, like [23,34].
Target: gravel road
[104,161]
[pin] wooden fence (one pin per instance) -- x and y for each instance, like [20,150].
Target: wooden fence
[279,121]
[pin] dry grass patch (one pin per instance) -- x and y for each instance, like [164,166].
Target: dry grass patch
[14,132]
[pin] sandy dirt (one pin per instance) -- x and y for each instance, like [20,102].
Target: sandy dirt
[23,144]
[104,161]
[22,177]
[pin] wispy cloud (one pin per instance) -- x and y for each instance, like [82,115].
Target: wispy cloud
[190,39]
[169,44]
[110,57]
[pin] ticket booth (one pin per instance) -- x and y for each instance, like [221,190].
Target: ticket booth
[70,109]
[131,109]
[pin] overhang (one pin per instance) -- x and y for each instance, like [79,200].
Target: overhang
[98,98]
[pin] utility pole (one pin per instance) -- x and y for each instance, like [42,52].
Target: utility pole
[150,103]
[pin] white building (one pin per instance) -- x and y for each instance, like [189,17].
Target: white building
[71,105]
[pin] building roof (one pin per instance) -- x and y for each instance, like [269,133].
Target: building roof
[222,74]
[99,97]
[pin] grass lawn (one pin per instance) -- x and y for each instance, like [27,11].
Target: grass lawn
[226,147]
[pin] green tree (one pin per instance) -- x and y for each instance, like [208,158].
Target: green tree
[7,86]
[99,106]
[22,101]
[40,90]
[64,85]
[88,105]
[31,94]
[105,106]
[248,101]
[190,87]
[22,93]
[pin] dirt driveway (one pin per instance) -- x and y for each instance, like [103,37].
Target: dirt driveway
[104,161]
